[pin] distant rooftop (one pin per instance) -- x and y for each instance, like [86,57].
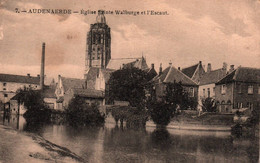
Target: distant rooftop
[72,83]
[19,79]
[212,76]
[171,74]
[242,74]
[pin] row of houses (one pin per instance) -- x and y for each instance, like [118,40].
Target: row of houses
[230,88]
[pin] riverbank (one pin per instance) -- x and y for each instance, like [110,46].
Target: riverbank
[197,127]
[17,146]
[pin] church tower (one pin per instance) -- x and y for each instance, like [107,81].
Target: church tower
[98,51]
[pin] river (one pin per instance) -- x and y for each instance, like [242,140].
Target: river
[110,143]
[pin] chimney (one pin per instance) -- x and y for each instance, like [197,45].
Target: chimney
[152,66]
[170,63]
[232,68]
[179,68]
[200,62]
[38,75]
[224,66]
[42,67]
[28,75]
[160,69]
[209,67]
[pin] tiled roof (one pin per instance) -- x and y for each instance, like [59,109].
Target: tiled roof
[72,83]
[162,76]
[92,74]
[242,74]
[212,76]
[171,74]
[189,71]
[19,79]
[49,92]
[118,63]
[91,93]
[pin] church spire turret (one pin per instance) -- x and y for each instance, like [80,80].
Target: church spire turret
[101,18]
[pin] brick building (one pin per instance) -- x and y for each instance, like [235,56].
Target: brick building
[239,89]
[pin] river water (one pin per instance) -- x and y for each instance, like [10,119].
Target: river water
[112,144]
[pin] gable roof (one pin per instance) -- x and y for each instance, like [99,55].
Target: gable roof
[106,73]
[118,63]
[94,71]
[242,74]
[19,79]
[49,92]
[72,83]
[189,71]
[91,93]
[212,76]
[171,74]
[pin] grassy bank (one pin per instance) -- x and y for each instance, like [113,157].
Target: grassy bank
[205,119]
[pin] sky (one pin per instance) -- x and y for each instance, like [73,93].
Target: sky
[211,31]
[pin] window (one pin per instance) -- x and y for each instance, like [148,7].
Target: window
[93,49]
[208,92]
[239,105]
[239,88]
[250,89]
[250,105]
[4,89]
[223,89]
[204,94]
[4,84]
[191,92]
[5,95]
[214,89]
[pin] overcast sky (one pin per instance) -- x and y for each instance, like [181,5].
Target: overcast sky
[213,31]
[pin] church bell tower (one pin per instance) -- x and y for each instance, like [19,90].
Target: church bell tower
[98,51]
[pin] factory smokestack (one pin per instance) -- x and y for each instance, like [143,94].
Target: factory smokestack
[42,67]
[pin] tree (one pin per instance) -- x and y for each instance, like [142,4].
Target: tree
[80,113]
[127,84]
[174,97]
[177,96]
[36,111]
[31,99]
[209,105]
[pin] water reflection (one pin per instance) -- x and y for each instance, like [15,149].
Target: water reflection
[13,120]
[111,143]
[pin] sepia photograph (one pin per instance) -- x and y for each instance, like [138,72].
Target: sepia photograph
[141,81]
